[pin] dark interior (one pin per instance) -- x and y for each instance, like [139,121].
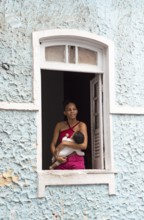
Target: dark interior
[58,86]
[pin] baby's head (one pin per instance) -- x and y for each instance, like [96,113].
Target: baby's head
[78,137]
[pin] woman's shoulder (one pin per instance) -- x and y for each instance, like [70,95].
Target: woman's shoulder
[61,124]
[82,124]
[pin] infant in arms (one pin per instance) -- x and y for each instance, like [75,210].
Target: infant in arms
[78,138]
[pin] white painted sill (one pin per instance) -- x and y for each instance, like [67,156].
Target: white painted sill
[75,177]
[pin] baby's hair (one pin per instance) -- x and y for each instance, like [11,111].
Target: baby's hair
[78,137]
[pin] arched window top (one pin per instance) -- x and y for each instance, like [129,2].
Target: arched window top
[80,50]
[72,35]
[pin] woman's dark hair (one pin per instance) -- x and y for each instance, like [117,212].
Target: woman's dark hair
[66,102]
[78,137]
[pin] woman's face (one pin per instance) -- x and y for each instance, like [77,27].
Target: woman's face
[71,111]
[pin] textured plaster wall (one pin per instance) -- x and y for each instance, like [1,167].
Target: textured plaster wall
[119,20]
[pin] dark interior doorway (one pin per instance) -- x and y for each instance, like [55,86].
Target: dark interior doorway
[58,86]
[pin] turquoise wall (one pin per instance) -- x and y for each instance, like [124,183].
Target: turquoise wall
[120,21]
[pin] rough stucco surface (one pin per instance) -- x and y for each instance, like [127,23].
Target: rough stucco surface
[120,21]
[19,200]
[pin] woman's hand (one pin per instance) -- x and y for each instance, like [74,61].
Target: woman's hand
[57,157]
[61,159]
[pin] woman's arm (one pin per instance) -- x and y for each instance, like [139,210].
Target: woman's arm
[53,148]
[83,146]
[55,138]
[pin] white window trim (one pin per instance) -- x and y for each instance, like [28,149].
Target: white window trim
[70,177]
[114,109]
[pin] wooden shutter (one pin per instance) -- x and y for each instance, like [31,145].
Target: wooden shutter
[96,122]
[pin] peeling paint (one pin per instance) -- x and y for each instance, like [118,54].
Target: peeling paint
[7,178]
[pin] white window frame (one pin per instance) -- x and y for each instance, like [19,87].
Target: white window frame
[105,49]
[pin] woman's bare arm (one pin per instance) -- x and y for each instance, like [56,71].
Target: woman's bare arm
[53,147]
[55,138]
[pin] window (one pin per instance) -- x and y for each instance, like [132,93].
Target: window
[70,53]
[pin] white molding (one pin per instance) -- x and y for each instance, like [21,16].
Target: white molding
[72,177]
[18,106]
[84,68]
[126,110]
[114,110]
[44,35]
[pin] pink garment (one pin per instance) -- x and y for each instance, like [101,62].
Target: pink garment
[68,132]
[74,161]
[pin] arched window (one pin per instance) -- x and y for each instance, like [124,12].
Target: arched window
[62,56]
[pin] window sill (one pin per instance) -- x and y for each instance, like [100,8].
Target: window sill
[75,177]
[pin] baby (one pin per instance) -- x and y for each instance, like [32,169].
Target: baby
[78,138]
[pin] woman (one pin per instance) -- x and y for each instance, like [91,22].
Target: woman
[68,128]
